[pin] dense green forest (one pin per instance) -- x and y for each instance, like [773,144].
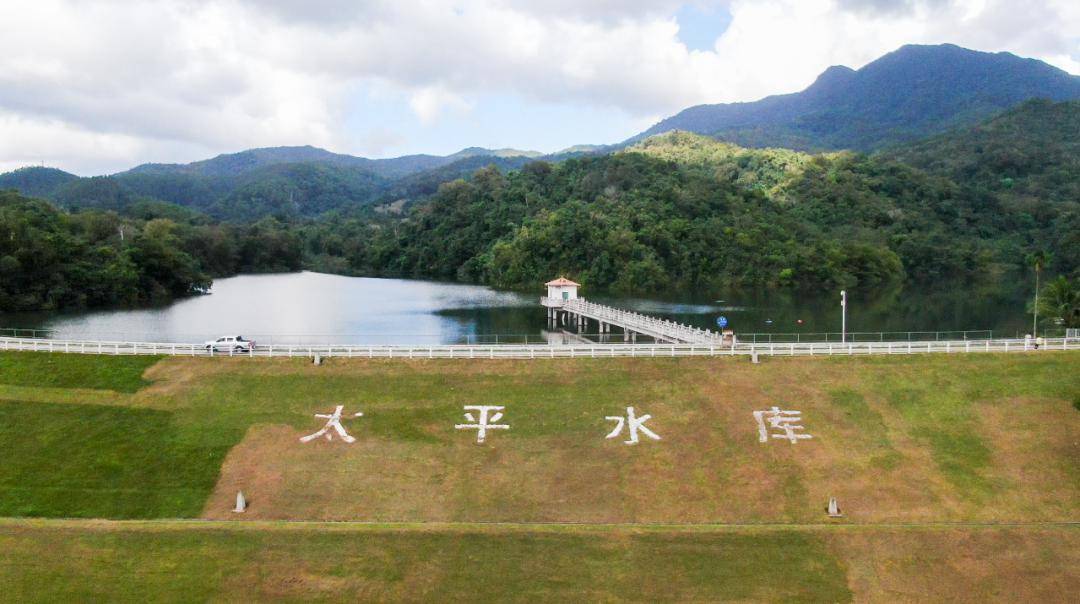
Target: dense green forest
[675,211]
[682,211]
[52,259]
[289,183]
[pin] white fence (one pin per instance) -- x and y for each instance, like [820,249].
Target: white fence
[512,351]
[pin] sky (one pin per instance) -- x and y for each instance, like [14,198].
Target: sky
[99,86]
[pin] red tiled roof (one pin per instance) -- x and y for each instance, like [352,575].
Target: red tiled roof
[562,281]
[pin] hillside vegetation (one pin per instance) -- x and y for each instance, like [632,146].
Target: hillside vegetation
[288,183]
[685,211]
[676,211]
[50,259]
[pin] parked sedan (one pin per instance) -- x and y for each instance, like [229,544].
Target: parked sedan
[234,343]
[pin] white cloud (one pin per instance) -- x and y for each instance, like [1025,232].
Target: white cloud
[430,101]
[29,141]
[104,85]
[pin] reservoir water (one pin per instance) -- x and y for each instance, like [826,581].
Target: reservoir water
[305,307]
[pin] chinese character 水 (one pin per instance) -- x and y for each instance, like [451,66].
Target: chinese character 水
[635,424]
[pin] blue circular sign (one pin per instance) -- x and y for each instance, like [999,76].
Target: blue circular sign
[721,321]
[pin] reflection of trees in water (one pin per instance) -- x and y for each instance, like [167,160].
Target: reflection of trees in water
[498,320]
[894,308]
[961,308]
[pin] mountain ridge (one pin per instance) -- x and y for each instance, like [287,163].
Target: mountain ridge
[910,93]
[240,162]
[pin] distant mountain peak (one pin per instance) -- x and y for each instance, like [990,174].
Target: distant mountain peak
[484,152]
[907,94]
[36,181]
[834,75]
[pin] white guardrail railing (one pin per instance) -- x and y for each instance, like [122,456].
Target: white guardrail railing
[543,351]
[651,326]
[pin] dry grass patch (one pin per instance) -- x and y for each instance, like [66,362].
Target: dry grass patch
[991,564]
[927,438]
[869,450]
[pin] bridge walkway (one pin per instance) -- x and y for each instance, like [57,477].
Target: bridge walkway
[661,330]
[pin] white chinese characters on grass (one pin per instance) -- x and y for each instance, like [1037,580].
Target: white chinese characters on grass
[781,420]
[636,424]
[485,421]
[333,420]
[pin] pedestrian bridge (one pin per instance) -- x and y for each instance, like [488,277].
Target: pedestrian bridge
[581,311]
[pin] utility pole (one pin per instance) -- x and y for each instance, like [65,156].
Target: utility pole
[843,316]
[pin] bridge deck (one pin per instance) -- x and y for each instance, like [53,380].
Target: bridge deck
[659,329]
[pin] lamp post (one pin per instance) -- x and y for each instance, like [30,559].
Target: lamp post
[1035,308]
[843,316]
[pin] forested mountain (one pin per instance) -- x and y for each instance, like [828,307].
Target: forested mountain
[283,190]
[286,182]
[673,211]
[51,259]
[634,221]
[420,185]
[245,162]
[1028,160]
[1029,152]
[681,210]
[36,181]
[905,95]
[499,153]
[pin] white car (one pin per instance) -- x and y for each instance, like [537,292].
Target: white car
[234,343]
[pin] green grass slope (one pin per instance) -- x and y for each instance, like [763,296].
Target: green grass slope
[956,474]
[134,562]
[925,438]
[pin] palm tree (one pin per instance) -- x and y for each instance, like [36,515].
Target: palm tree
[1037,260]
[1061,300]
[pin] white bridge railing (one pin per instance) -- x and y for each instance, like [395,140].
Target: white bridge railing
[544,351]
[654,327]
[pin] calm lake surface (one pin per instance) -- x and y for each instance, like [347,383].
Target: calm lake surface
[295,308]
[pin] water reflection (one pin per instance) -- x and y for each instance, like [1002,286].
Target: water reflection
[307,307]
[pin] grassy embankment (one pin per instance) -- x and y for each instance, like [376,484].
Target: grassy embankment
[54,561]
[924,439]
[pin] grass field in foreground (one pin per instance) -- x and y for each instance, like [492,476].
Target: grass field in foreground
[57,561]
[921,438]
[924,439]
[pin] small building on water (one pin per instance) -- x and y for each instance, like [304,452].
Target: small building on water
[560,290]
